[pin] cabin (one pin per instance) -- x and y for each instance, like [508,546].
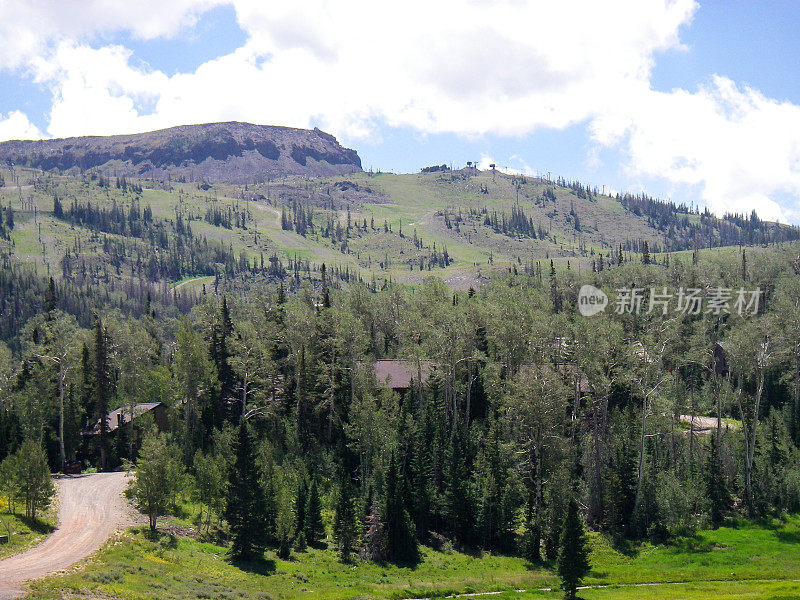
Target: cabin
[401,375]
[121,443]
[120,417]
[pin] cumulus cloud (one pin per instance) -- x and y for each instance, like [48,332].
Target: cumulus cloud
[16,126]
[29,27]
[490,67]
[498,67]
[741,148]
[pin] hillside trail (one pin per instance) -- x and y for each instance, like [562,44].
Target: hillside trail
[91,508]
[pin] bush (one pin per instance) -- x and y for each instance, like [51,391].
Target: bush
[681,505]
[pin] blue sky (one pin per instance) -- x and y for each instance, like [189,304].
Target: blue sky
[696,102]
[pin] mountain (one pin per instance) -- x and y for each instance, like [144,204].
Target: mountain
[125,216]
[215,153]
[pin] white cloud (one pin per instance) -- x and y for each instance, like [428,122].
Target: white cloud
[490,67]
[16,126]
[498,67]
[739,147]
[28,27]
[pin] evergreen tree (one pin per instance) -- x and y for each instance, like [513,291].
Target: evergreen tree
[300,504]
[102,386]
[532,537]
[220,353]
[621,486]
[573,556]
[247,510]
[495,517]
[345,528]
[459,505]
[420,473]
[399,531]
[716,489]
[314,525]
[87,382]
[50,298]
[555,293]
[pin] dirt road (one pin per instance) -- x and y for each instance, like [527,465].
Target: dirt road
[90,509]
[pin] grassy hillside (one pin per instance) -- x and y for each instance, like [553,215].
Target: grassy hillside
[462,225]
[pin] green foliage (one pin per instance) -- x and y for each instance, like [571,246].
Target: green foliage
[399,531]
[313,525]
[25,478]
[210,484]
[300,512]
[573,556]
[158,477]
[681,504]
[716,486]
[345,526]
[621,485]
[247,509]
[102,387]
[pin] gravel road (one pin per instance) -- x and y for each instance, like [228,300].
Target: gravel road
[90,509]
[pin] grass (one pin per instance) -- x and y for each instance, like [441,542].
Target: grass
[25,532]
[745,560]
[134,567]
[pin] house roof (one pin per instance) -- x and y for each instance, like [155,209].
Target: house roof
[397,374]
[122,416]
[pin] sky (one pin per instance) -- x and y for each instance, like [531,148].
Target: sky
[696,102]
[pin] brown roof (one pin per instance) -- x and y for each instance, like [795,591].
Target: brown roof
[397,374]
[122,416]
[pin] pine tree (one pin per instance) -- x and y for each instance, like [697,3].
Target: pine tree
[50,298]
[419,480]
[532,538]
[102,386]
[621,486]
[220,353]
[573,556]
[716,489]
[314,526]
[247,510]
[458,497]
[345,528]
[87,382]
[399,531]
[300,516]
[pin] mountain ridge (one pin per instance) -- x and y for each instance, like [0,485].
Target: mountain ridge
[228,152]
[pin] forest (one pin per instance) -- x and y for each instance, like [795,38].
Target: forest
[523,419]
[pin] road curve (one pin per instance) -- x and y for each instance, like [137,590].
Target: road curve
[90,509]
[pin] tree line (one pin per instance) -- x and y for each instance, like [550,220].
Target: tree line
[528,413]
